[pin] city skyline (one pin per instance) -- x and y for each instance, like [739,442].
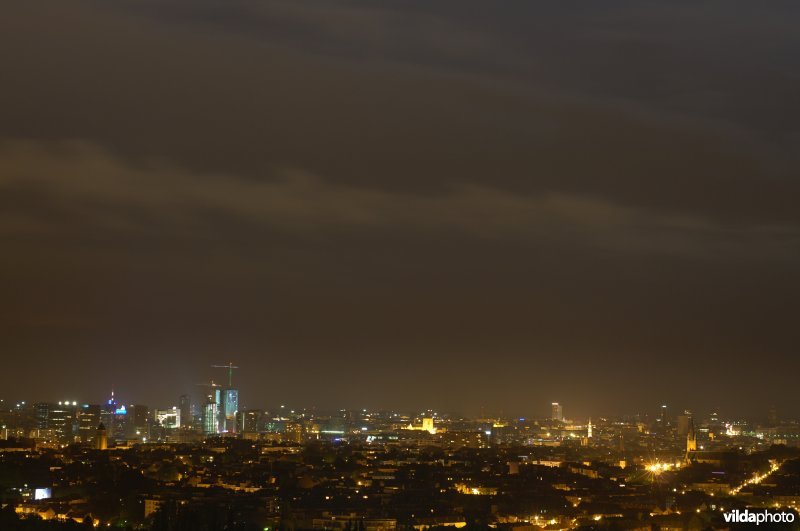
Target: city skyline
[657,412]
[217,411]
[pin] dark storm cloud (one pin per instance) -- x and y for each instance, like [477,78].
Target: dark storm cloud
[76,177]
[354,184]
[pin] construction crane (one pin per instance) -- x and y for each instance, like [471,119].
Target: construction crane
[212,385]
[230,366]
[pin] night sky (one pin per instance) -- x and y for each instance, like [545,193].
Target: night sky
[451,204]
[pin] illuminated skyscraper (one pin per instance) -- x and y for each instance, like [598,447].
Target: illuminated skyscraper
[228,409]
[558,412]
[210,410]
[63,420]
[107,413]
[251,420]
[211,414]
[88,420]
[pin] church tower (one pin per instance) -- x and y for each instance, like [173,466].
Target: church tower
[101,443]
[691,439]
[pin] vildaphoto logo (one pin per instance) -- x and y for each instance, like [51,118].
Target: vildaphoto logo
[758,517]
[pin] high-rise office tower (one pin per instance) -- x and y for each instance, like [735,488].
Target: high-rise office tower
[43,415]
[88,420]
[251,420]
[228,409]
[211,414]
[121,422]
[107,413]
[557,412]
[210,409]
[63,420]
